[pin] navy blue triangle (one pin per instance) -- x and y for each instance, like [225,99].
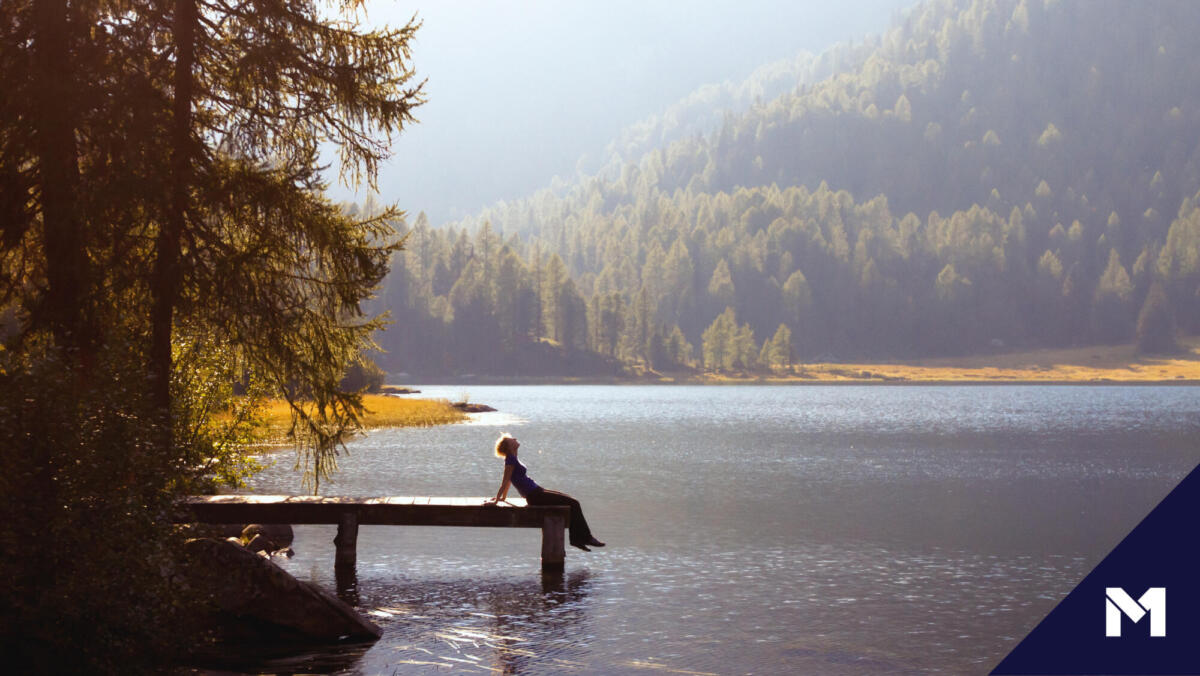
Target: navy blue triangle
[1162,551]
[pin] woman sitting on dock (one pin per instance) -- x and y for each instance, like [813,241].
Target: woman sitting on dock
[515,475]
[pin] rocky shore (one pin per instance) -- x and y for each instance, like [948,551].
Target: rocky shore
[245,601]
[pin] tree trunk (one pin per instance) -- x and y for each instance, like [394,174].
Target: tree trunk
[65,303]
[167,273]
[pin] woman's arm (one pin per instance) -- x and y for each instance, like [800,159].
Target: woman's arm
[502,494]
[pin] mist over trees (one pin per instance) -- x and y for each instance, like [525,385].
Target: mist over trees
[990,173]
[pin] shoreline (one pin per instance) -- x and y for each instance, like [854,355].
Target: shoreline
[382,411]
[800,382]
[1094,365]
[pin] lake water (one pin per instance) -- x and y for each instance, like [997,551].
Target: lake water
[751,529]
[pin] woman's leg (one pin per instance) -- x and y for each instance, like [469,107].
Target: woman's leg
[578,527]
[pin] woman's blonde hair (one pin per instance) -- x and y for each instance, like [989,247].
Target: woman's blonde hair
[502,445]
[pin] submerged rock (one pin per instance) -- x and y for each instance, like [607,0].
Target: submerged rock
[252,599]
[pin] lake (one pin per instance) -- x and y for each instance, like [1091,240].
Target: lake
[751,529]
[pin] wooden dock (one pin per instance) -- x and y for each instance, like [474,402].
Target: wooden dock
[350,513]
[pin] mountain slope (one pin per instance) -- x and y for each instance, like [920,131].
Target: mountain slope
[1058,139]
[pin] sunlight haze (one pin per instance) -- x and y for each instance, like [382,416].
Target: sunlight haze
[519,92]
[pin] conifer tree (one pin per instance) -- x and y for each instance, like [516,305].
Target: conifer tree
[1112,304]
[1155,328]
[165,233]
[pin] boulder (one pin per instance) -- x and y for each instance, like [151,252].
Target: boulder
[279,533]
[229,530]
[260,543]
[255,599]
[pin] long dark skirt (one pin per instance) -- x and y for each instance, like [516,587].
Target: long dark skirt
[579,533]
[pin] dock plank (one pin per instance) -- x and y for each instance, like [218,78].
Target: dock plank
[388,511]
[348,513]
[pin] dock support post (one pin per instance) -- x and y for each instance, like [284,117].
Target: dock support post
[346,541]
[553,547]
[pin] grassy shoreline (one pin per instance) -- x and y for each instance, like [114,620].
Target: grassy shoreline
[382,411]
[1105,364]
[1095,365]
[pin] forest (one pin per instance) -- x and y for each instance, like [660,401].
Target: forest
[986,175]
[169,263]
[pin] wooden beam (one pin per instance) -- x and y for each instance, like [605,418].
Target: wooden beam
[385,511]
[346,541]
[554,552]
[350,513]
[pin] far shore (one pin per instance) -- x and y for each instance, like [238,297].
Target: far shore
[1095,365]
[1100,365]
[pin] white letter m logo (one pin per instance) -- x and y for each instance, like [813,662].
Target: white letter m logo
[1152,603]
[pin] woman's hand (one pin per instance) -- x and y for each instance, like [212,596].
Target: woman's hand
[494,501]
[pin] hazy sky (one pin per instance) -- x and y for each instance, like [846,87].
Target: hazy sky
[519,91]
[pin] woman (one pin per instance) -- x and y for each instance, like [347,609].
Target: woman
[515,475]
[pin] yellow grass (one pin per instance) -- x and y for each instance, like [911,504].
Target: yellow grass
[385,411]
[381,411]
[1114,363]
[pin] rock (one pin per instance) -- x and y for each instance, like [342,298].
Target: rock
[279,533]
[472,408]
[229,530]
[260,543]
[258,600]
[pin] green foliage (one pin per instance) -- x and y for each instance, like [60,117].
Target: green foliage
[956,216]
[167,260]
[1050,137]
[217,409]
[364,375]
[777,351]
[1112,307]
[728,346]
[679,350]
[85,536]
[717,342]
[1155,327]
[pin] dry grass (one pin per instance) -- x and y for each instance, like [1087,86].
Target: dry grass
[385,411]
[1115,363]
[381,411]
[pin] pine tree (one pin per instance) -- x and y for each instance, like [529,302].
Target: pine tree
[777,352]
[719,342]
[1112,304]
[720,286]
[1155,328]
[164,235]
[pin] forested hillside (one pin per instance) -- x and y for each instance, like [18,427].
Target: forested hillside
[987,173]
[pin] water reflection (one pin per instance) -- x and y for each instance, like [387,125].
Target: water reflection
[769,530]
[510,627]
[346,583]
[334,659]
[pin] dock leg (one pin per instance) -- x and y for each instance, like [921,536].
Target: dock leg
[346,541]
[553,547]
